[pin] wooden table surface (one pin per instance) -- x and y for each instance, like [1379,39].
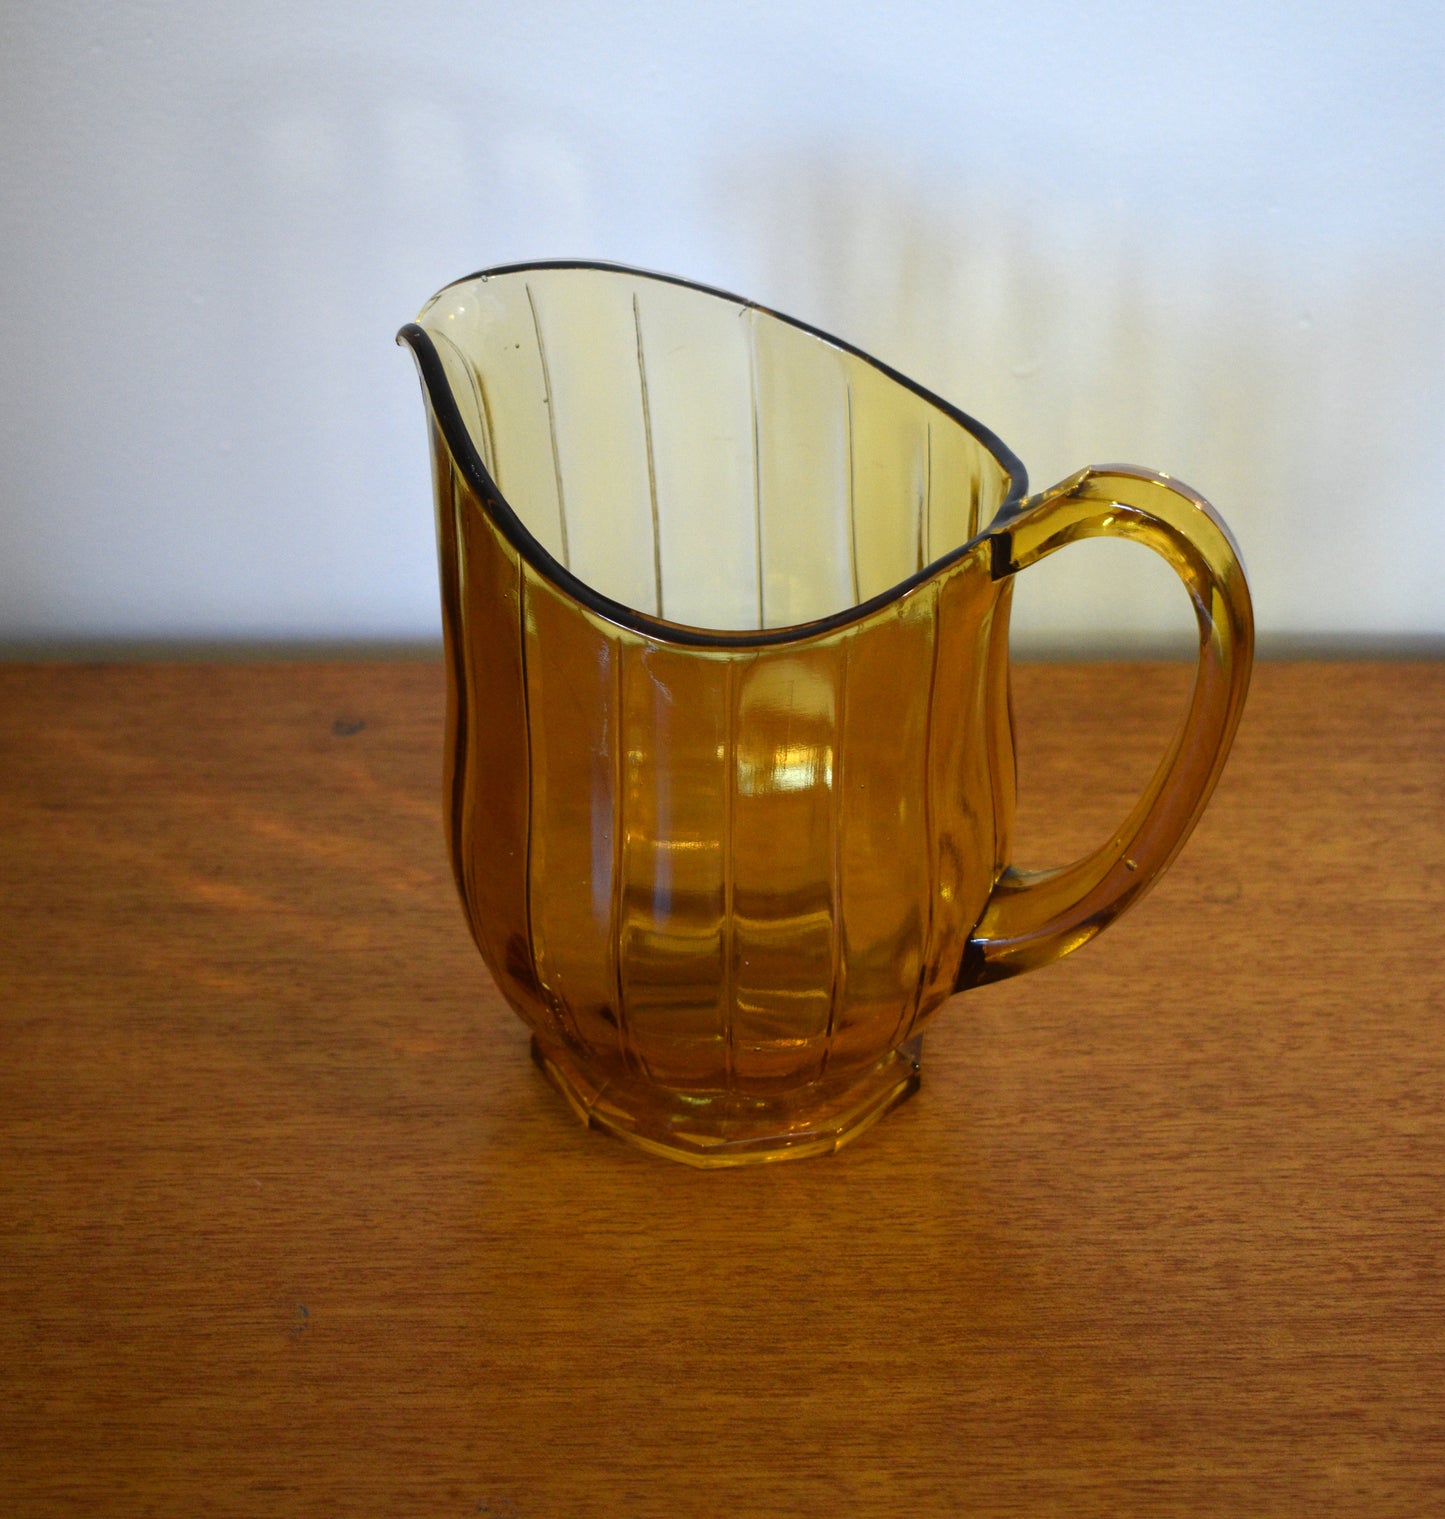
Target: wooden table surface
[289,1224]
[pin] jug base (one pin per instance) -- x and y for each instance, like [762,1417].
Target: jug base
[715,1129]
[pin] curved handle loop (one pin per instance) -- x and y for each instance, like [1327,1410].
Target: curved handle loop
[1035,917]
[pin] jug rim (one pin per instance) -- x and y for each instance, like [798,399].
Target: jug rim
[464,451]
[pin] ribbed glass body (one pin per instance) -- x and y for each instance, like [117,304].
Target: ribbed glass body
[729,776]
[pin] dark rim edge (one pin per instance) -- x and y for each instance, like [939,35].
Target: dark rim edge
[459,441]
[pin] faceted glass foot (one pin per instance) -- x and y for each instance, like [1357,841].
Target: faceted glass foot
[713,1129]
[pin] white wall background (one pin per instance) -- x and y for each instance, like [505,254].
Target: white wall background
[1208,238]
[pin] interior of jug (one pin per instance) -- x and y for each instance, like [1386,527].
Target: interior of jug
[702,460]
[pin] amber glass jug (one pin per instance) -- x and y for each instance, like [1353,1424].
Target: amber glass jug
[729,775]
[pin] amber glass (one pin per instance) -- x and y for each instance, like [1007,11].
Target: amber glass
[729,777]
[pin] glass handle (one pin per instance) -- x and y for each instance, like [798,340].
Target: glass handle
[1035,917]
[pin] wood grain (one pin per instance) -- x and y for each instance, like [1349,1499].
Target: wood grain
[290,1225]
